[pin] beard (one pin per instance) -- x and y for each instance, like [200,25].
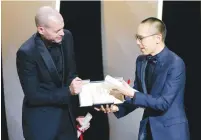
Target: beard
[50,42]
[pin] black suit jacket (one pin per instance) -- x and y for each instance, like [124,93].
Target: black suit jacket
[46,95]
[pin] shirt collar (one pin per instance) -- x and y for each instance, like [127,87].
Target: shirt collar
[158,57]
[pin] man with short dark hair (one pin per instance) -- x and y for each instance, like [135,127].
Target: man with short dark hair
[47,73]
[160,81]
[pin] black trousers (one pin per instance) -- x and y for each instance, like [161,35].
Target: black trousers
[66,130]
[148,130]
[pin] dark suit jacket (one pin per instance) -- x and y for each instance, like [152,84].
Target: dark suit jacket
[164,106]
[46,95]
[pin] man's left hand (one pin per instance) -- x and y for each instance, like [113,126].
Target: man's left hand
[80,121]
[129,91]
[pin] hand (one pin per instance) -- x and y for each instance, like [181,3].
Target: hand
[80,121]
[129,91]
[83,129]
[117,94]
[76,86]
[112,108]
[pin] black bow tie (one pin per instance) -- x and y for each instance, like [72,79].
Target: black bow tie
[151,59]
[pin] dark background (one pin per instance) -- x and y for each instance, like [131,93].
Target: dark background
[183,21]
[83,19]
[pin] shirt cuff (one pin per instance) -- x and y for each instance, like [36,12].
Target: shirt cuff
[134,97]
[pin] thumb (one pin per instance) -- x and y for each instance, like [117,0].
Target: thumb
[78,79]
[79,118]
[125,84]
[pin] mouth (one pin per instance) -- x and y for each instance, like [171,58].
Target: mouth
[59,38]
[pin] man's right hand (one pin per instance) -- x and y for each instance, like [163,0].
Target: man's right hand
[76,86]
[112,108]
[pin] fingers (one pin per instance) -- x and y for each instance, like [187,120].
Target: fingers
[77,79]
[125,84]
[115,91]
[80,118]
[76,86]
[118,94]
[100,109]
[107,109]
[114,108]
[97,109]
[103,109]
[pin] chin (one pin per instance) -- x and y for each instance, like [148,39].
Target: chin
[58,41]
[144,53]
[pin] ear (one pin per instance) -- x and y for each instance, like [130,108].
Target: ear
[158,38]
[40,30]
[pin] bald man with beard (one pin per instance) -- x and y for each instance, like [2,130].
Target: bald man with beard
[47,73]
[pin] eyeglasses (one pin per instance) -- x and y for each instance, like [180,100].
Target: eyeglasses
[140,38]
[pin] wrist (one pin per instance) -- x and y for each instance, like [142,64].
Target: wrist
[132,94]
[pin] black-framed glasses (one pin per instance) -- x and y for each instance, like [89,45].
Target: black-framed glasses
[140,38]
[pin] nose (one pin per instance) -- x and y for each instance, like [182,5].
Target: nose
[140,45]
[138,42]
[61,33]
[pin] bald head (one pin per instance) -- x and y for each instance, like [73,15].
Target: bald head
[46,14]
[50,24]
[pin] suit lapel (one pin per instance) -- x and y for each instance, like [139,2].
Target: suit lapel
[142,75]
[65,61]
[48,61]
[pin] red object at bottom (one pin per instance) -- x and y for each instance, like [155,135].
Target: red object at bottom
[81,136]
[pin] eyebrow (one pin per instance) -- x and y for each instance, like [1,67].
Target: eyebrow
[58,30]
[140,36]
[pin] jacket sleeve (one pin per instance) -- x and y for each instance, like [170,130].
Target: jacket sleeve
[34,94]
[174,83]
